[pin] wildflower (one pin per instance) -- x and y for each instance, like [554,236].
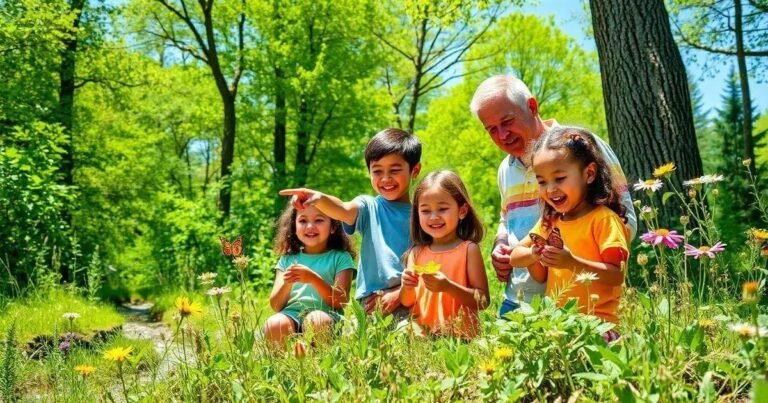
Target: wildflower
[299,350]
[670,239]
[747,162]
[692,193]
[647,213]
[586,278]
[705,251]
[207,278]
[758,234]
[218,291]
[746,330]
[715,192]
[749,292]
[118,354]
[235,317]
[488,368]
[642,259]
[707,325]
[85,370]
[636,203]
[431,267]
[664,170]
[241,262]
[649,185]
[710,179]
[185,308]
[692,182]
[64,347]
[684,220]
[764,250]
[503,353]
[70,316]
[594,297]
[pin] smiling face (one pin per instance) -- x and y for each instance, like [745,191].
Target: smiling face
[313,229]
[563,182]
[510,126]
[439,214]
[391,177]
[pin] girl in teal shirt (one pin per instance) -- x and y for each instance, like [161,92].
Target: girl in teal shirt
[312,276]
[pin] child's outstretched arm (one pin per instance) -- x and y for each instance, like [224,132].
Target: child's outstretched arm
[525,254]
[281,291]
[332,206]
[476,293]
[336,295]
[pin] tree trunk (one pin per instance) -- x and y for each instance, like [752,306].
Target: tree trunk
[278,150]
[67,94]
[647,102]
[749,148]
[227,153]
[302,145]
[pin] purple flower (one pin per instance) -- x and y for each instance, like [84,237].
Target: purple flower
[670,239]
[64,347]
[706,251]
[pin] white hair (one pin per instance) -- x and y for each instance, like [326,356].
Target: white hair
[515,90]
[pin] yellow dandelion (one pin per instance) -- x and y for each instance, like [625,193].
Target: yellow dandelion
[503,353]
[488,368]
[749,292]
[431,267]
[85,370]
[707,325]
[664,170]
[758,234]
[118,354]
[185,308]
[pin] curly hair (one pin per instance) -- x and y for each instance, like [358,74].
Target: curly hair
[288,243]
[580,146]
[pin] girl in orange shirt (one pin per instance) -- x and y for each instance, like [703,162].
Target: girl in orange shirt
[580,243]
[444,280]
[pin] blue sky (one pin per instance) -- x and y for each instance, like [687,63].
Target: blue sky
[571,17]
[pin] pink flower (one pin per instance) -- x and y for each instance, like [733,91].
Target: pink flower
[671,239]
[708,251]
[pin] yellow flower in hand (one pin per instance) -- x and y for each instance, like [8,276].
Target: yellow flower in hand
[431,267]
[118,354]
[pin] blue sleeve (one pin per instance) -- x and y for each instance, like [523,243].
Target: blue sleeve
[282,263]
[362,215]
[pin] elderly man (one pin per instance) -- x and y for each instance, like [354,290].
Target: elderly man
[510,114]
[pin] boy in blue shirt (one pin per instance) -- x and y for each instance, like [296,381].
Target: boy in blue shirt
[393,159]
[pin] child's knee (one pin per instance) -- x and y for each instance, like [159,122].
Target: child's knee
[278,325]
[318,320]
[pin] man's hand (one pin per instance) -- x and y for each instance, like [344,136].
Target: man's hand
[302,198]
[298,273]
[500,261]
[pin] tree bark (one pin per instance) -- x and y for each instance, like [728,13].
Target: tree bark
[67,93]
[749,147]
[647,102]
[278,150]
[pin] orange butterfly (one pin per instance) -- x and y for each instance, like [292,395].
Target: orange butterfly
[234,249]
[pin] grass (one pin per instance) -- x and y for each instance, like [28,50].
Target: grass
[41,315]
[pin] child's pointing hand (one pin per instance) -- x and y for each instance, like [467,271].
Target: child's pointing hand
[302,198]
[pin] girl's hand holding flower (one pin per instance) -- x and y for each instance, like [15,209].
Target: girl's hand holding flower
[410,278]
[298,273]
[436,282]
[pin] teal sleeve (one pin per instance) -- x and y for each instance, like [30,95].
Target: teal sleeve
[282,263]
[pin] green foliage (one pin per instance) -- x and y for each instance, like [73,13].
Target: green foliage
[31,201]
[8,370]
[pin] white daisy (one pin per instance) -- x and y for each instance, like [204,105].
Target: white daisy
[649,185]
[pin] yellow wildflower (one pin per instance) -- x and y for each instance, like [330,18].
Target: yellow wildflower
[85,370]
[758,234]
[431,267]
[118,354]
[749,292]
[664,170]
[186,308]
[488,368]
[503,353]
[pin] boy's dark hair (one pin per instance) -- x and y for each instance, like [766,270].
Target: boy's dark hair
[580,146]
[287,243]
[470,227]
[393,141]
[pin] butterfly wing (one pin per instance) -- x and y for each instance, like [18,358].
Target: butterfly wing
[237,247]
[538,240]
[555,239]
[226,246]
